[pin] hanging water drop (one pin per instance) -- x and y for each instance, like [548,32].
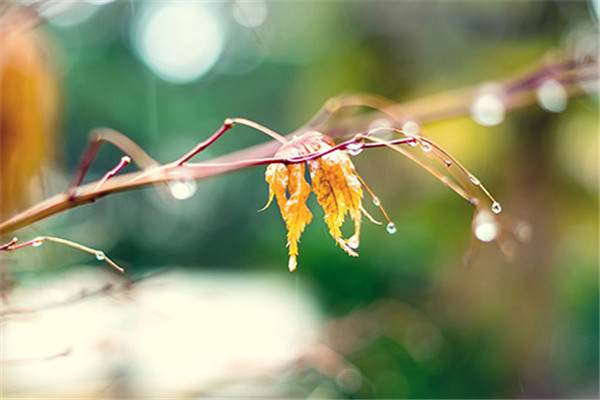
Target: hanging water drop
[100,256]
[426,147]
[376,201]
[488,108]
[413,143]
[391,228]
[474,180]
[485,226]
[355,148]
[37,242]
[496,207]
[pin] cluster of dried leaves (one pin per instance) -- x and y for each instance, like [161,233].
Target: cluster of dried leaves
[334,182]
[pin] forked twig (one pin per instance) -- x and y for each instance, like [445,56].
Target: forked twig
[38,241]
[517,92]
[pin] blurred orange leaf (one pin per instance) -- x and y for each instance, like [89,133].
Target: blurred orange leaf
[29,109]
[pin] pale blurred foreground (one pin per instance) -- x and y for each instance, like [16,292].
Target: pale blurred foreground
[176,334]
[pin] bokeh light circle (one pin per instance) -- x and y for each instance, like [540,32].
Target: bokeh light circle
[178,41]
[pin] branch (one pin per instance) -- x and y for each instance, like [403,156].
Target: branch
[496,99]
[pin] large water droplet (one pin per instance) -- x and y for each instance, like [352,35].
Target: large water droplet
[376,201]
[496,207]
[391,228]
[488,108]
[485,226]
[355,148]
[100,256]
[37,242]
[552,96]
[413,143]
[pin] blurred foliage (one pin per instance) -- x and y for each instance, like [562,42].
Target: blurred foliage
[526,327]
[29,113]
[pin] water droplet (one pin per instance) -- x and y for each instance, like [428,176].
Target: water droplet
[413,143]
[411,128]
[376,201]
[488,108]
[181,187]
[391,228]
[485,226]
[496,208]
[37,242]
[552,96]
[474,180]
[426,147]
[100,256]
[353,242]
[355,148]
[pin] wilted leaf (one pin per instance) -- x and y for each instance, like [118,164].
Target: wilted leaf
[339,192]
[290,188]
[334,182]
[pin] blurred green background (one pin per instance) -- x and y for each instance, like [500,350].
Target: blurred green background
[496,328]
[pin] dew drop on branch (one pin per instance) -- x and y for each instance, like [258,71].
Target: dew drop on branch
[100,256]
[474,180]
[376,201]
[391,228]
[355,148]
[485,226]
[37,242]
[552,96]
[496,207]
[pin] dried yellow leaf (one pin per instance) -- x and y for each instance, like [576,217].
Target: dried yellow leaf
[334,182]
[339,192]
[288,185]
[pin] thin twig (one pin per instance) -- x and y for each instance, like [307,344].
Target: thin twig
[423,111]
[38,241]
